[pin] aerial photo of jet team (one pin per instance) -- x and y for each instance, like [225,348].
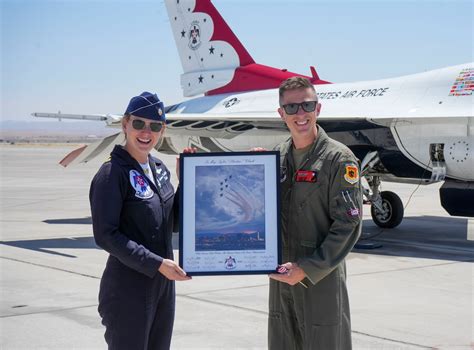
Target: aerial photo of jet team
[268,210]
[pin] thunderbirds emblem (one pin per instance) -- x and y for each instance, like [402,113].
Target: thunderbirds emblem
[230,263]
[231,102]
[140,185]
[194,36]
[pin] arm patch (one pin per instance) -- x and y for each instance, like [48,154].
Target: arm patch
[351,173]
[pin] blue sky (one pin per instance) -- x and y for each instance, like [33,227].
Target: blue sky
[91,56]
[230,198]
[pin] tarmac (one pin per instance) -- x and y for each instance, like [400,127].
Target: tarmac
[414,292]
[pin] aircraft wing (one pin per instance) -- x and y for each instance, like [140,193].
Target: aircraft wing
[223,126]
[86,153]
[228,126]
[257,119]
[203,125]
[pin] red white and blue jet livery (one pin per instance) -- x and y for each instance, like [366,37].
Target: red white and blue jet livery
[415,128]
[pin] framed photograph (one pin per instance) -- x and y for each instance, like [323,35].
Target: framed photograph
[229,222]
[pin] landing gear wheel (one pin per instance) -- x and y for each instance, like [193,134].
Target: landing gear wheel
[392,213]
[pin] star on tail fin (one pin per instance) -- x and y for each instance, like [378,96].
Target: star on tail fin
[213,59]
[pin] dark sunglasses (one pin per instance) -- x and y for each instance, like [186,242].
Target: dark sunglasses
[140,125]
[292,108]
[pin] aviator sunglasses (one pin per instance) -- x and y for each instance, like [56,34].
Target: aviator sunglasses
[140,125]
[292,108]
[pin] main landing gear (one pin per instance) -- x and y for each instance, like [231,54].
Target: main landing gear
[386,207]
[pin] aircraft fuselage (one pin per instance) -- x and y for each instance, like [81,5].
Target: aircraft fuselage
[411,121]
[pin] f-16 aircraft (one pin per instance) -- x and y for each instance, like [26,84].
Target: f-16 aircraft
[415,129]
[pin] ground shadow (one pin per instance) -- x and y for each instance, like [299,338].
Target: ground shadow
[71,221]
[429,237]
[49,246]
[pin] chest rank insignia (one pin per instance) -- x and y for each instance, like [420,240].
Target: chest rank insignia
[140,185]
[305,176]
[352,174]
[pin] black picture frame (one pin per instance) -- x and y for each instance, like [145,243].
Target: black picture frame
[229,213]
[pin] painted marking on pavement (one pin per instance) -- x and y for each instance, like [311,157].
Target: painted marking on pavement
[470,229]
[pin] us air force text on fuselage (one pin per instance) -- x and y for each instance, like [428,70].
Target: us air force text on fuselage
[352,93]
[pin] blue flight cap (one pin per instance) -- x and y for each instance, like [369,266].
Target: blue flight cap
[147,105]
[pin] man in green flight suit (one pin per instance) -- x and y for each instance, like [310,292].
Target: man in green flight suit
[321,210]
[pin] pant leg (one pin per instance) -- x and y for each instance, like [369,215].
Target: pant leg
[123,314]
[124,329]
[283,329]
[162,317]
[323,312]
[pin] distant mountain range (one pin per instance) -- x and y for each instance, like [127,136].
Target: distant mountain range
[50,130]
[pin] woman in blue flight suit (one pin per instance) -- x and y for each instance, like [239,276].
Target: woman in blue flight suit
[132,204]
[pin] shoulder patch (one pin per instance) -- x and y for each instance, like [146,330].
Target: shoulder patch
[140,185]
[351,173]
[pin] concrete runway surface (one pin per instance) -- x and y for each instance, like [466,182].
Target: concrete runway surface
[415,292]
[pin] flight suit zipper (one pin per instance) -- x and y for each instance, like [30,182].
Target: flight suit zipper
[162,205]
[290,194]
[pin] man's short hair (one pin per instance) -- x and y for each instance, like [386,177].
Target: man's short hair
[294,83]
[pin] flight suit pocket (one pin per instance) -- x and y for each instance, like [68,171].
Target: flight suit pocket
[324,300]
[141,214]
[307,248]
[274,316]
[309,244]
[324,337]
[166,191]
[275,330]
[348,206]
[307,192]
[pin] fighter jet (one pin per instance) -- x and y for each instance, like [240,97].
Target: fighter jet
[415,129]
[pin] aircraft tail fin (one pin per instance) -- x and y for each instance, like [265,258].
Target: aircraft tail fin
[213,59]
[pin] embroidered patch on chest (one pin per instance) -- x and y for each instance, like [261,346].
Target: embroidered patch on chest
[351,174]
[305,176]
[140,185]
[161,177]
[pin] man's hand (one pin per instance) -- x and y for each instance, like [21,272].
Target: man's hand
[172,271]
[294,274]
[258,149]
[185,150]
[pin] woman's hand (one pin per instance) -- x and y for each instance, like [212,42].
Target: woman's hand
[185,150]
[258,149]
[172,271]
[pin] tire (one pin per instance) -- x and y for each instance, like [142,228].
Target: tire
[393,215]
